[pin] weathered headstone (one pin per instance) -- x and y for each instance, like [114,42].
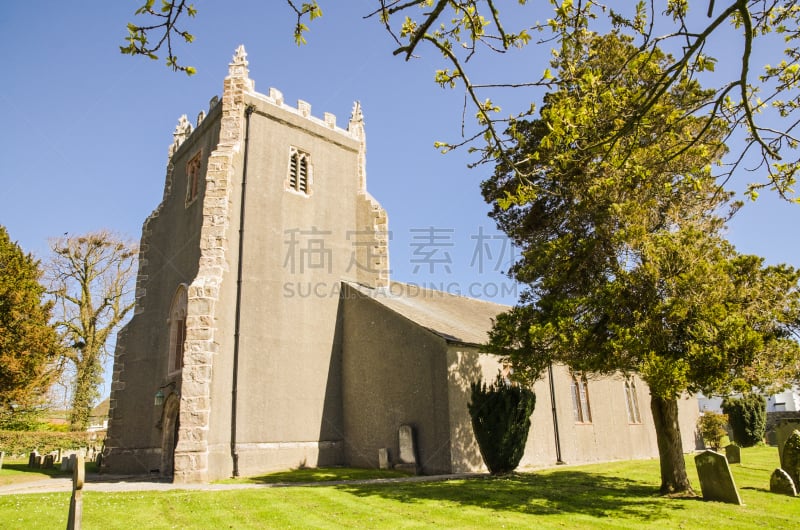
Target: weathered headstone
[76,502]
[407,457]
[2,455]
[383,458]
[32,459]
[782,433]
[772,438]
[790,461]
[59,455]
[48,462]
[716,480]
[38,461]
[781,482]
[733,454]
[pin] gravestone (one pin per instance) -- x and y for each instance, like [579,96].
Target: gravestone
[2,455]
[772,438]
[48,462]
[407,457]
[38,462]
[32,459]
[781,482]
[76,501]
[790,461]
[716,481]
[58,455]
[782,433]
[733,454]
[383,458]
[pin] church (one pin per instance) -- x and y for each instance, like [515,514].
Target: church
[268,335]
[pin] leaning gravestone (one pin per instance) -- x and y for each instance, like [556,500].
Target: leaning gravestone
[782,433]
[407,457]
[781,482]
[790,461]
[733,454]
[716,481]
[76,501]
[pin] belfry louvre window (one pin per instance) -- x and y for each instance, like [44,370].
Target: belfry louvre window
[632,401]
[299,177]
[580,399]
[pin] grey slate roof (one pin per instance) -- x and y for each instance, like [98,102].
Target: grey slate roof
[457,319]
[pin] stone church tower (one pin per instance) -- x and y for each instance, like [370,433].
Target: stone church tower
[231,364]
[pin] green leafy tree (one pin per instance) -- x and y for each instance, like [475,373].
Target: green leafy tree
[28,343]
[501,419]
[90,279]
[621,245]
[712,428]
[760,101]
[747,416]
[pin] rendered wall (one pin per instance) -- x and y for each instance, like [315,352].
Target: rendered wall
[393,373]
[610,436]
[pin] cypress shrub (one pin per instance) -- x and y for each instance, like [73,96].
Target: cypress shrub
[501,415]
[747,417]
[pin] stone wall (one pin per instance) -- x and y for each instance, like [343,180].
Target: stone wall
[774,418]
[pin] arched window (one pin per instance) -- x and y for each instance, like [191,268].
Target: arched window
[193,178]
[632,401]
[177,329]
[580,399]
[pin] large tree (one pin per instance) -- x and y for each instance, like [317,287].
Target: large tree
[28,343]
[758,101]
[91,280]
[622,244]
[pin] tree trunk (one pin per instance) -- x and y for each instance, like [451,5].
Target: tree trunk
[670,446]
[85,389]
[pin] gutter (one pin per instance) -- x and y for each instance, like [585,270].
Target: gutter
[248,111]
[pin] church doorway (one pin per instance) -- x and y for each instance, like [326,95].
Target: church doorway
[169,435]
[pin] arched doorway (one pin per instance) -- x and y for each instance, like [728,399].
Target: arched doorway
[169,434]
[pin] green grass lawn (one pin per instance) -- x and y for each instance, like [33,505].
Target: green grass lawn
[616,495]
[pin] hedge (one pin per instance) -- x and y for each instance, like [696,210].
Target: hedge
[20,443]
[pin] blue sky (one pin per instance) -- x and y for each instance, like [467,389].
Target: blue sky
[86,129]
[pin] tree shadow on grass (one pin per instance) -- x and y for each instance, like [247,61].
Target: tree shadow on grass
[562,492]
[42,472]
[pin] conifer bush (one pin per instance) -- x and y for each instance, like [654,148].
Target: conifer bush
[501,415]
[747,417]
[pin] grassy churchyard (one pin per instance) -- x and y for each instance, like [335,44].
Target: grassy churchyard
[616,495]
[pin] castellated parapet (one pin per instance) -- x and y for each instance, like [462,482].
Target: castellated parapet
[238,69]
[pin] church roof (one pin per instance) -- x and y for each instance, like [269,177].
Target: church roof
[457,319]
